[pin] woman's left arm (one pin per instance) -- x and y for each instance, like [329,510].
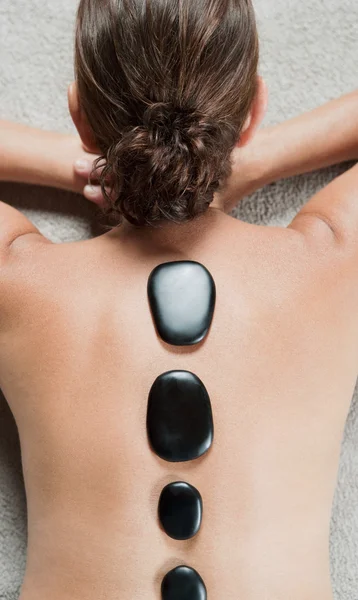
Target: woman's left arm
[29,155]
[34,156]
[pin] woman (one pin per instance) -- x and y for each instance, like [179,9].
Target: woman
[168,94]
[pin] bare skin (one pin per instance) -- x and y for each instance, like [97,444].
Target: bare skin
[78,354]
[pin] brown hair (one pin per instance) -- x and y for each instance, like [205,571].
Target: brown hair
[166,86]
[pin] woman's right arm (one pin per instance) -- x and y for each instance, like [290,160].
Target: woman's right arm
[322,137]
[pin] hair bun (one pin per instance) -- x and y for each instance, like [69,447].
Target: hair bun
[167,167]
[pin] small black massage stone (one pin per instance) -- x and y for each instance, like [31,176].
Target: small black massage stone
[179,418]
[183,583]
[180,510]
[182,300]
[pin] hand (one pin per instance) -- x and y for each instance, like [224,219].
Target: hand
[66,164]
[47,158]
[83,167]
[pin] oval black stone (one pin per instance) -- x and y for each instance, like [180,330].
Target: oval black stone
[180,510]
[179,418]
[182,300]
[183,583]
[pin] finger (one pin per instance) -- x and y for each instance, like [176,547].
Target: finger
[94,194]
[84,168]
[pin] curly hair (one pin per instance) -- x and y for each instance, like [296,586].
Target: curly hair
[166,86]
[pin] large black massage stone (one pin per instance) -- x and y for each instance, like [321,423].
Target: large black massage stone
[180,510]
[183,583]
[182,300]
[179,418]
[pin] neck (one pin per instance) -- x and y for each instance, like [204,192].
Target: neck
[215,211]
[168,235]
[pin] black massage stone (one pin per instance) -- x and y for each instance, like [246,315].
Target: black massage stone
[180,510]
[182,300]
[183,583]
[179,418]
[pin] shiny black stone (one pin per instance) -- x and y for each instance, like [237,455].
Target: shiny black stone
[179,418]
[180,510]
[182,300]
[183,583]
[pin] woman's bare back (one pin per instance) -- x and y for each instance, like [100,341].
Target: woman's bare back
[78,356]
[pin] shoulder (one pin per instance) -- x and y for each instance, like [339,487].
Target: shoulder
[18,263]
[15,229]
[331,216]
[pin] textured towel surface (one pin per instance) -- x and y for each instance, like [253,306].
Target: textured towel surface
[309,52]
